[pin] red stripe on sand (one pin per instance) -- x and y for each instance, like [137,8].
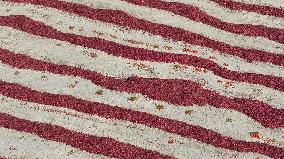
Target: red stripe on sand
[123,19]
[265,10]
[181,92]
[172,126]
[37,28]
[94,144]
[196,14]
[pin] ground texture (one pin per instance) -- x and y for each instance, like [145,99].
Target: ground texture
[141,79]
